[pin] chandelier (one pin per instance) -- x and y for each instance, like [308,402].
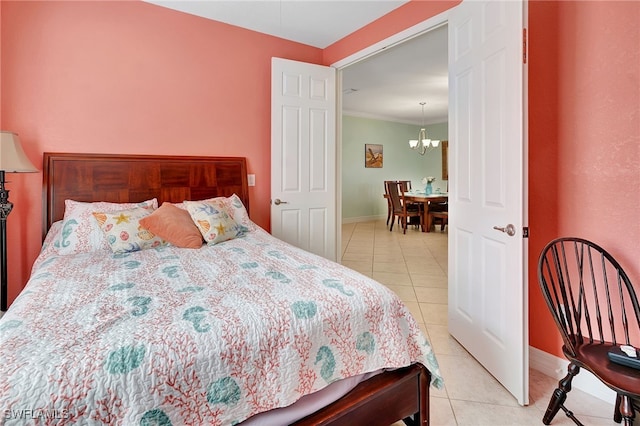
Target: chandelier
[423,144]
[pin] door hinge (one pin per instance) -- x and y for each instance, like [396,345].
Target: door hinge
[524,45]
[525,232]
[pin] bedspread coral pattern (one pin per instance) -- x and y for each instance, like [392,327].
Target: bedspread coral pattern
[207,336]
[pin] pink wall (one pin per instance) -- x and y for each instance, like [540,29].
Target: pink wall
[584,100]
[99,77]
[131,77]
[544,163]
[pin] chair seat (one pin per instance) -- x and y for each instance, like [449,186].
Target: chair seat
[593,357]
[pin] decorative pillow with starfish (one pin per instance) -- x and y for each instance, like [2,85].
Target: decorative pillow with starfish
[79,230]
[214,220]
[123,231]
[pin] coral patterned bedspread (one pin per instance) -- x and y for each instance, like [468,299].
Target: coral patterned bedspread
[181,336]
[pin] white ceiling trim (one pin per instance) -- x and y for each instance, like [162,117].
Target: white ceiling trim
[417,30]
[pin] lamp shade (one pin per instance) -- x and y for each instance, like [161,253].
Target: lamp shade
[12,157]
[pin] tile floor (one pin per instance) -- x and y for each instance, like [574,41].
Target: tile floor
[414,265]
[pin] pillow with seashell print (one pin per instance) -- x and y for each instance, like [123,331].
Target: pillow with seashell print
[123,231]
[233,206]
[214,221]
[79,232]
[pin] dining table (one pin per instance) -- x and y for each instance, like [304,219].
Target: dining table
[422,197]
[426,200]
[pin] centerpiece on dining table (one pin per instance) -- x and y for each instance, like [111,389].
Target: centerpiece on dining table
[428,190]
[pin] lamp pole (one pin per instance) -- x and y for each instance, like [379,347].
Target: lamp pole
[12,160]
[5,208]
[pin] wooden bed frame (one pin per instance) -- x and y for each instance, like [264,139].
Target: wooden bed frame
[401,394]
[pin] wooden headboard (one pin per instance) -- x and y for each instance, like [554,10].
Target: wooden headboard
[134,178]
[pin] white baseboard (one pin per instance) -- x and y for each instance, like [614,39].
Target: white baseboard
[361,219]
[556,367]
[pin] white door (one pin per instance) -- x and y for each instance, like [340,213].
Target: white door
[303,156]
[488,302]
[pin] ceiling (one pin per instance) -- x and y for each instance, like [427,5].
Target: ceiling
[389,85]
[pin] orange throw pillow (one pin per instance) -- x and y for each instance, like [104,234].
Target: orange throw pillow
[174,225]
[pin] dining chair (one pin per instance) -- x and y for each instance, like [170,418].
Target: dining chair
[388,198]
[405,185]
[585,288]
[438,214]
[399,206]
[437,217]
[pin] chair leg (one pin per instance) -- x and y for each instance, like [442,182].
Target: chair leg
[393,219]
[560,395]
[625,410]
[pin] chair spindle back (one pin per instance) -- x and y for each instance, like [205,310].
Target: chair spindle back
[584,286]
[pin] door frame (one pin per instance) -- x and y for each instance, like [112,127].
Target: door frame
[417,30]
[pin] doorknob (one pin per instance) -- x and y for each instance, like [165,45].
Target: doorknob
[277,202]
[510,230]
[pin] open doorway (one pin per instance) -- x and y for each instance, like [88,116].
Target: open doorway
[380,104]
[381,97]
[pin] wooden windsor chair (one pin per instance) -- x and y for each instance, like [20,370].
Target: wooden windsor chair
[595,308]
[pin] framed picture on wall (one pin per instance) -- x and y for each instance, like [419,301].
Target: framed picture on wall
[373,156]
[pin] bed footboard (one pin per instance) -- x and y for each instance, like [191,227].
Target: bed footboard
[381,400]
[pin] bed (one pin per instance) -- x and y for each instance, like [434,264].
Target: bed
[228,333]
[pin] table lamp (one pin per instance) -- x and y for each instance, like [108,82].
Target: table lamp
[12,160]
